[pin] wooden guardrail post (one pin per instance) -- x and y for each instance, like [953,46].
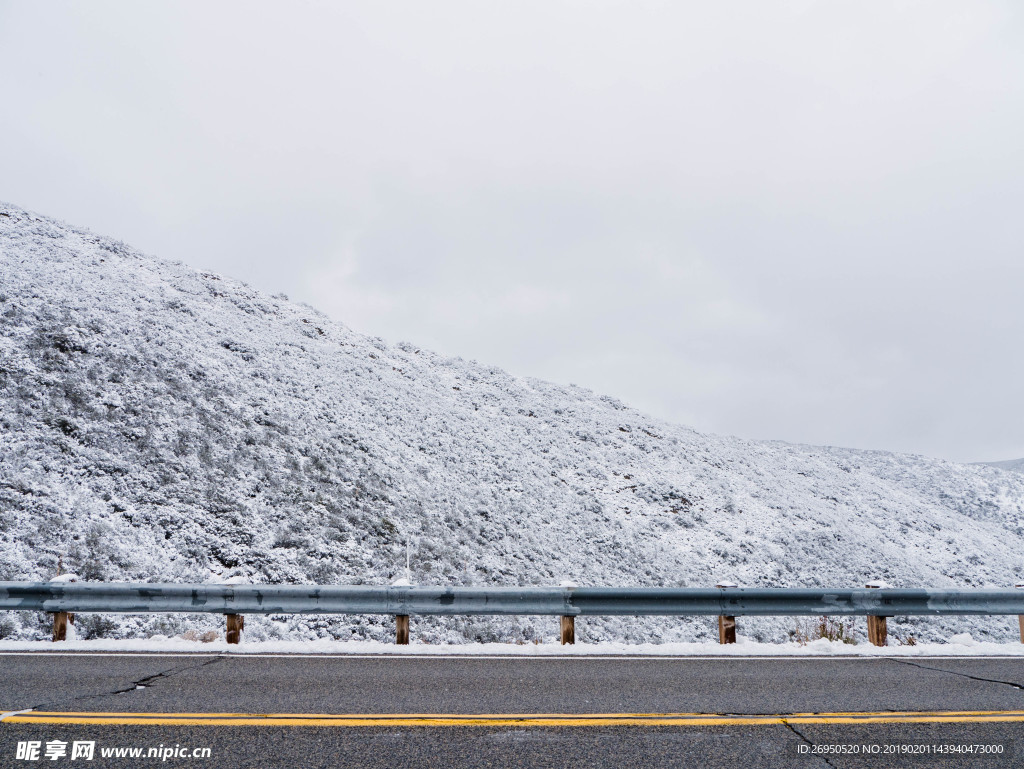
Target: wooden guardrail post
[402,629]
[567,622]
[236,623]
[61,620]
[726,624]
[568,629]
[726,629]
[878,633]
[402,620]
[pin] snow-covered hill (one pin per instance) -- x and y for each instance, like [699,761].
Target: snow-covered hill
[159,423]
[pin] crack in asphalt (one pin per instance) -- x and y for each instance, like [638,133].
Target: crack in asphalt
[800,734]
[148,680]
[141,683]
[962,675]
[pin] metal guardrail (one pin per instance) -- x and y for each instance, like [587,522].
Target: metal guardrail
[139,598]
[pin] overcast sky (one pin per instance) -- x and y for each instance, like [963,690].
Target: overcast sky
[785,220]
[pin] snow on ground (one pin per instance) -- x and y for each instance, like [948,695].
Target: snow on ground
[957,646]
[158,423]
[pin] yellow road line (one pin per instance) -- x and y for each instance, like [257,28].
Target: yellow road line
[532,719]
[456,716]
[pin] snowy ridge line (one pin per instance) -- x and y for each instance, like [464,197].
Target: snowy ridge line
[130,598]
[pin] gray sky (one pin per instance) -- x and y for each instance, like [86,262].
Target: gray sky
[788,220]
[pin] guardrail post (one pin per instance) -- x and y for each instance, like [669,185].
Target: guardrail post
[726,624]
[61,620]
[878,633]
[567,622]
[726,630]
[236,623]
[1020,617]
[402,629]
[568,629]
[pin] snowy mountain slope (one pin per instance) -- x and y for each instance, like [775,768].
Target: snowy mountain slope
[159,423]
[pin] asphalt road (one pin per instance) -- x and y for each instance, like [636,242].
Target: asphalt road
[734,692]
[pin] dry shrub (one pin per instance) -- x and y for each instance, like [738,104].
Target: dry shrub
[829,628]
[194,635]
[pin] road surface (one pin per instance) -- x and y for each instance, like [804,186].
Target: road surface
[388,711]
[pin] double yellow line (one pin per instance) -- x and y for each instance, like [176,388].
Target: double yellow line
[522,719]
